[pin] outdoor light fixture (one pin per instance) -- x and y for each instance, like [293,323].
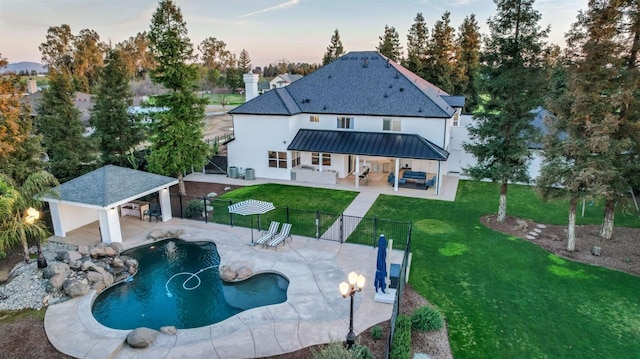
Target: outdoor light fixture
[356,283]
[32,216]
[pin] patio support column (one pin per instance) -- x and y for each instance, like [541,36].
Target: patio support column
[165,204]
[56,219]
[397,174]
[320,155]
[357,171]
[109,225]
[438,180]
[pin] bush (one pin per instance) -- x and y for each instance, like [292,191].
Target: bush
[376,332]
[3,254]
[426,319]
[402,338]
[336,350]
[194,208]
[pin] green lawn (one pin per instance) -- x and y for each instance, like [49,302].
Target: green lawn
[507,298]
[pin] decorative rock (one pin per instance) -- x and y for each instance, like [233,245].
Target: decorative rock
[537,230]
[98,252]
[86,265]
[55,268]
[70,256]
[539,225]
[532,233]
[75,288]
[57,281]
[107,279]
[596,251]
[94,277]
[110,252]
[141,337]
[131,265]
[243,272]
[117,246]
[117,263]
[227,274]
[169,330]
[98,286]
[84,250]
[76,265]
[175,233]
[530,237]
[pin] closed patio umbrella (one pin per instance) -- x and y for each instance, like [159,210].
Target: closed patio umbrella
[251,207]
[381,265]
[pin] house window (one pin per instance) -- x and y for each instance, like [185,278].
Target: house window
[314,118]
[390,124]
[295,159]
[277,159]
[316,158]
[456,120]
[345,122]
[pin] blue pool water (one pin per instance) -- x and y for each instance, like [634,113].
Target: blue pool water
[159,296]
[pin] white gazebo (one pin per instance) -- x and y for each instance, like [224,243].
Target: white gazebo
[97,196]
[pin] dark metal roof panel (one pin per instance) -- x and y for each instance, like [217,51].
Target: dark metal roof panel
[379,144]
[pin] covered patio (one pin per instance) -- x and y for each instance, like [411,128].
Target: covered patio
[106,195]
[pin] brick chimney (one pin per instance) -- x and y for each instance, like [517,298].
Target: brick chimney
[250,86]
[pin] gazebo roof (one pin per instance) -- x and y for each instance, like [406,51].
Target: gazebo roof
[109,186]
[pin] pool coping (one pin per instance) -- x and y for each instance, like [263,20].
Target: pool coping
[313,313]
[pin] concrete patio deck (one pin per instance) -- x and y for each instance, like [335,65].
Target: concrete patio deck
[314,312]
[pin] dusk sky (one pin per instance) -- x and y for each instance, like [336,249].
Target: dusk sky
[270,30]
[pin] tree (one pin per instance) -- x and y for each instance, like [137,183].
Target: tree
[88,59]
[389,45]
[469,45]
[20,148]
[15,201]
[441,68]
[116,130]
[417,41]
[176,135]
[58,121]
[244,62]
[136,55]
[215,54]
[513,81]
[334,50]
[57,51]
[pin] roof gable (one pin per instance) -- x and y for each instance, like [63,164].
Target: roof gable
[358,83]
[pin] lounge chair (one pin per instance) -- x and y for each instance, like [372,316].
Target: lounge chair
[280,237]
[268,235]
[153,211]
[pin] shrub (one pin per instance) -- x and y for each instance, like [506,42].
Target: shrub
[426,319]
[194,208]
[336,350]
[402,338]
[3,254]
[376,332]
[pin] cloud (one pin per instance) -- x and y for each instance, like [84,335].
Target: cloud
[271,8]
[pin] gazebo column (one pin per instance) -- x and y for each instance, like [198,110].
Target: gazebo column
[165,204]
[357,171]
[396,171]
[438,177]
[110,225]
[56,219]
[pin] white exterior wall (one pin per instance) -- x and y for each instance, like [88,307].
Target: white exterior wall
[75,217]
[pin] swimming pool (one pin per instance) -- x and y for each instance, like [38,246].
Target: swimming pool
[178,283]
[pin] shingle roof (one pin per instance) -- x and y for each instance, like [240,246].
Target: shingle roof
[358,83]
[110,185]
[382,144]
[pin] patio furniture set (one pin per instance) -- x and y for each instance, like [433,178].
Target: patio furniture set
[413,179]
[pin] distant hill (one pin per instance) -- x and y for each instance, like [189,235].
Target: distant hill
[24,66]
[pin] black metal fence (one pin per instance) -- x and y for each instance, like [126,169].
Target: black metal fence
[315,224]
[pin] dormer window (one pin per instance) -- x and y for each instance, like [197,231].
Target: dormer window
[390,124]
[346,122]
[314,118]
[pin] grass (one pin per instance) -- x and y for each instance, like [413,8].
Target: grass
[232,99]
[507,298]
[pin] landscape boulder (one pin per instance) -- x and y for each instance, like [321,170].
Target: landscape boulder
[227,274]
[596,251]
[169,330]
[55,268]
[243,273]
[75,288]
[57,280]
[141,337]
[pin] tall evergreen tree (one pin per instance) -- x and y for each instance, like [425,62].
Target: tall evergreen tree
[334,50]
[441,68]
[176,139]
[58,121]
[417,41]
[514,82]
[244,62]
[116,130]
[469,44]
[389,45]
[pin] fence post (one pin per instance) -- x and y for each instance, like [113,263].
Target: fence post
[204,199]
[341,234]
[288,214]
[317,224]
[231,214]
[375,229]
[181,209]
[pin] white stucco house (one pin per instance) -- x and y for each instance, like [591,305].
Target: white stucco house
[283,80]
[361,111]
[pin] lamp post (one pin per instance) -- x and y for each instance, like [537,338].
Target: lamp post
[356,283]
[33,215]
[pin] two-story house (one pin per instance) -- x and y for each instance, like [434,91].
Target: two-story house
[361,111]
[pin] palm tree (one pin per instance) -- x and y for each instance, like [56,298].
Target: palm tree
[18,205]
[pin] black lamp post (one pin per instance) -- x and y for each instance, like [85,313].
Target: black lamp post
[33,215]
[356,283]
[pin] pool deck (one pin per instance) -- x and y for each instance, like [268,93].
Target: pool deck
[314,312]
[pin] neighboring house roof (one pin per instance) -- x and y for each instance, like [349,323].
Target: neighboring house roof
[358,83]
[384,144]
[289,78]
[263,85]
[110,186]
